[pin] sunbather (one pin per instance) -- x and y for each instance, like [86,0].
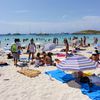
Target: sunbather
[57,61]
[83,79]
[38,61]
[3,63]
[95,57]
[48,59]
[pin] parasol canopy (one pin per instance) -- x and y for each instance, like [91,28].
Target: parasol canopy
[77,62]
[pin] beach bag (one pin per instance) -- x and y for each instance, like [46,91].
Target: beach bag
[14,48]
[84,79]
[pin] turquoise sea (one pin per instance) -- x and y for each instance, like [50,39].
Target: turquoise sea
[43,38]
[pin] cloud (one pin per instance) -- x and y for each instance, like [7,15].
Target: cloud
[22,11]
[64,16]
[95,19]
[91,17]
[86,22]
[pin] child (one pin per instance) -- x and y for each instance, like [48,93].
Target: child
[38,61]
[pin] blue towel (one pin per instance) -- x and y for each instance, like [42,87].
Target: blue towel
[95,91]
[60,75]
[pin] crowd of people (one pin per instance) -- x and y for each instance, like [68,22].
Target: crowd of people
[37,58]
[82,42]
[43,58]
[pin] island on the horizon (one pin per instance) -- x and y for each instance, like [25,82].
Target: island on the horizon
[88,32]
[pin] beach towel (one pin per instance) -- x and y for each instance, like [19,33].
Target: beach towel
[60,75]
[29,72]
[95,91]
[87,74]
[61,55]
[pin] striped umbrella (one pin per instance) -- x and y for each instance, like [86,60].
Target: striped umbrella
[77,62]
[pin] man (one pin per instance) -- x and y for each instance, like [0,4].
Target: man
[14,50]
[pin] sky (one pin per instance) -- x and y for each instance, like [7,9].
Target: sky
[51,16]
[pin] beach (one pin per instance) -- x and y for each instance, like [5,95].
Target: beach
[49,50]
[16,86]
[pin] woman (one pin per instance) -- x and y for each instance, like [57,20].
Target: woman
[48,59]
[67,46]
[31,49]
[95,57]
[81,42]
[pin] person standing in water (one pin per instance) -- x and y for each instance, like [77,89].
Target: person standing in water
[31,49]
[67,46]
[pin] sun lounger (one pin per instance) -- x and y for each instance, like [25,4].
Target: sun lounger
[60,75]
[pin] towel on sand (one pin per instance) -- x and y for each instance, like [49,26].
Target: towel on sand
[29,72]
[95,91]
[61,55]
[60,75]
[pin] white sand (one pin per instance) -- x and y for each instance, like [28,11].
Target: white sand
[15,86]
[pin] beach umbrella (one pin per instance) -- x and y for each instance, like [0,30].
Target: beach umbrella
[49,46]
[77,62]
[38,43]
[97,46]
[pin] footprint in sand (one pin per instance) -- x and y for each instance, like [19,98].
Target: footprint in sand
[6,79]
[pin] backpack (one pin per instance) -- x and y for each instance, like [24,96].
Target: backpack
[14,48]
